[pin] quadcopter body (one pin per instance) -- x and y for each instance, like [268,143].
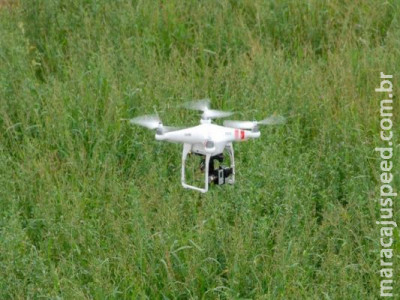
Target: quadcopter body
[207,140]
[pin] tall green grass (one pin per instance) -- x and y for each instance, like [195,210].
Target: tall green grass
[93,208]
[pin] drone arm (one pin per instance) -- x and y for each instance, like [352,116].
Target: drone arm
[243,135]
[252,134]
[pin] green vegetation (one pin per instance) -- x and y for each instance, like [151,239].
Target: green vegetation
[91,207]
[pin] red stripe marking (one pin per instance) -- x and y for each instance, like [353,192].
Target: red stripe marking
[236,134]
[242,134]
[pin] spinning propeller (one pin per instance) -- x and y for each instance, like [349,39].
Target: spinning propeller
[272,120]
[204,106]
[152,122]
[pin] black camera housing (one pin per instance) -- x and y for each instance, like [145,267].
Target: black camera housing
[216,175]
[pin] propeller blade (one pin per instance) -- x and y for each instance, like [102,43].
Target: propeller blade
[153,122]
[204,106]
[240,124]
[201,104]
[273,120]
[148,121]
[213,114]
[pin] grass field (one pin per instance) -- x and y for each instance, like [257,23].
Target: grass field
[92,207]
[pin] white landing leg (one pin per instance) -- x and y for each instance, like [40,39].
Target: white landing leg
[229,148]
[186,150]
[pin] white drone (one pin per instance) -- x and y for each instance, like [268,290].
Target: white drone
[207,140]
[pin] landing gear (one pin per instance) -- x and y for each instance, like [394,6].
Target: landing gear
[220,175]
